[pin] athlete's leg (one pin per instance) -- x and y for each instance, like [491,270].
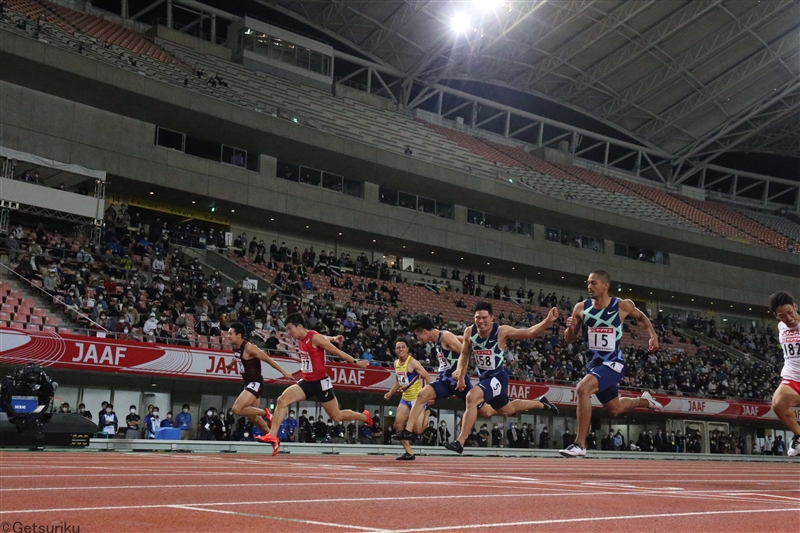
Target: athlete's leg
[247,405]
[783,400]
[586,387]
[291,395]
[332,408]
[474,397]
[422,421]
[618,405]
[257,419]
[402,416]
[400,422]
[427,393]
[520,406]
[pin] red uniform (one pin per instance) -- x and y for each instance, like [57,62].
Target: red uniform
[312,359]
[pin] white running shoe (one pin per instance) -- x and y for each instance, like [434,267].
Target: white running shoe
[573,450]
[652,404]
[794,447]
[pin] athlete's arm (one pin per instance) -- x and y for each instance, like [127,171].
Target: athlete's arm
[255,351]
[452,342]
[416,365]
[338,339]
[528,333]
[574,322]
[628,309]
[320,341]
[231,365]
[463,361]
[394,389]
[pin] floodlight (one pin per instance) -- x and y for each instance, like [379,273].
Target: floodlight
[461,22]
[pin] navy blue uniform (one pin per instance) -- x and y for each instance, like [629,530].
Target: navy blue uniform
[445,386]
[490,361]
[602,333]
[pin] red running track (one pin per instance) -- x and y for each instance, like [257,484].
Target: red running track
[182,493]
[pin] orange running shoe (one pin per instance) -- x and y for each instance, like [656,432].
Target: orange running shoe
[269,439]
[268,416]
[368,421]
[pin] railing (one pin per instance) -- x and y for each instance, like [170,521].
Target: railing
[55,298]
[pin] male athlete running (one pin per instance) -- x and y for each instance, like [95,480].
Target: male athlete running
[248,358]
[602,317]
[787,394]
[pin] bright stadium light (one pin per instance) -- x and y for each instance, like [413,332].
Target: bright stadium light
[461,23]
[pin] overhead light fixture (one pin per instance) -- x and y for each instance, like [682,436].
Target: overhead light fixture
[306,227]
[432,254]
[151,192]
[272,220]
[233,210]
[460,23]
[194,202]
[340,233]
[373,240]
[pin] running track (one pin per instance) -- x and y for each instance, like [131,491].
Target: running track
[219,493]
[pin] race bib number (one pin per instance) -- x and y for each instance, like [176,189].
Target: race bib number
[254,386]
[484,359]
[496,386]
[602,339]
[402,379]
[615,366]
[305,364]
[444,364]
[326,384]
[791,345]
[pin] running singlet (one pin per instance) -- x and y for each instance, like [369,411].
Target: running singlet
[250,369]
[312,360]
[602,333]
[789,339]
[448,359]
[489,358]
[410,382]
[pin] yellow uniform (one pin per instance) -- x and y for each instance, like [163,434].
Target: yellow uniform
[410,382]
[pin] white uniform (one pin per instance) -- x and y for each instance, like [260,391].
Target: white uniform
[789,339]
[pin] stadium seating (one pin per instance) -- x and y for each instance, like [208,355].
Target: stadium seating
[782,225]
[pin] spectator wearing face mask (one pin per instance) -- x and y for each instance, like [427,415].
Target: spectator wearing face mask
[153,424]
[65,408]
[206,427]
[483,437]
[184,421]
[497,436]
[320,430]
[169,421]
[102,409]
[429,435]
[513,436]
[108,421]
[288,428]
[83,412]
[544,438]
[150,325]
[444,433]
[133,422]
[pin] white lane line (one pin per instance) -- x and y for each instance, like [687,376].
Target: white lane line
[281,518]
[589,519]
[269,502]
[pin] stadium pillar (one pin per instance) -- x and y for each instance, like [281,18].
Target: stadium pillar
[169,14]
[213,28]
[124,9]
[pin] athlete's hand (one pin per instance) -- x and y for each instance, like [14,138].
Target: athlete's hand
[288,376]
[461,384]
[552,315]
[387,395]
[570,321]
[653,344]
[338,339]
[362,363]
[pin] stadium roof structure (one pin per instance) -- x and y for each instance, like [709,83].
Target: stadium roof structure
[690,78]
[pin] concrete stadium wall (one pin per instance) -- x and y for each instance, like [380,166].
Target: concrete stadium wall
[103,117]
